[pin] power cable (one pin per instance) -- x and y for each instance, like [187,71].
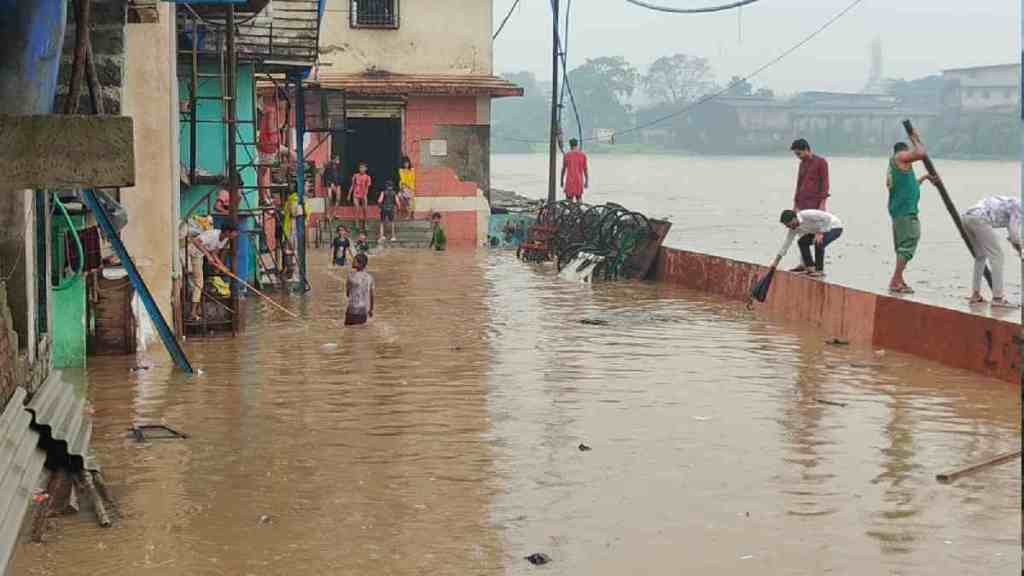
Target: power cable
[713,95]
[566,85]
[705,10]
[505,20]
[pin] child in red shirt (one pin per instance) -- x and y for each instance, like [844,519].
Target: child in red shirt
[574,172]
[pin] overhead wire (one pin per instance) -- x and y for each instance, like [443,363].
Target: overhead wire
[708,97]
[705,10]
[566,84]
[505,20]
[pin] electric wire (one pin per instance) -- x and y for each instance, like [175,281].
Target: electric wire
[505,20]
[713,95]
[705,10]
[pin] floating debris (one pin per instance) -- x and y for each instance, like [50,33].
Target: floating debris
[837,342]
[594,322]
[830,403]
[585,448]
[265,519]
[143,432]
[538,559]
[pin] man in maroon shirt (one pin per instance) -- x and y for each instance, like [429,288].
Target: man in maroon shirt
[811,181]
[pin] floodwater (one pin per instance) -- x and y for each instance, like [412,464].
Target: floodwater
[729,206]
[442,438]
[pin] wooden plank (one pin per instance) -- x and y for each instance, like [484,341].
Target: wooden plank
[55,151]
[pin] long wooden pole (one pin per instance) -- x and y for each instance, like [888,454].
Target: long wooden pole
[937,181]
[269,300]
[553,144]
[952,476]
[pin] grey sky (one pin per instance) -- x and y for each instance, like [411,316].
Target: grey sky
[920,37]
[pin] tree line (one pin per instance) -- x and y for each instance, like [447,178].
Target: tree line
[612,94]
[605,90]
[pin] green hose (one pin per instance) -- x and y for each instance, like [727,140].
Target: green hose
[70,280]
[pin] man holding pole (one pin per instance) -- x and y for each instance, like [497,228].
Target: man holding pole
[904,195]
[209,244]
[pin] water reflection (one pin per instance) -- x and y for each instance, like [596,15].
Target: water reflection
[442,439]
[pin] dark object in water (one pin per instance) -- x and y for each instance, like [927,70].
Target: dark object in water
[830,403]
[538,559]
[585,448]
[144,432]
[594,322]
[760,290]
[838,342]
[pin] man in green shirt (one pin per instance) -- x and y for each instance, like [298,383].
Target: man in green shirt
[438,240]
[904,195]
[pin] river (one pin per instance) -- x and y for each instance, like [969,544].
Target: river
[729,206]
[442,438]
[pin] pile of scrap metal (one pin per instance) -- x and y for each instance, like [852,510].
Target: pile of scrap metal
[609,240]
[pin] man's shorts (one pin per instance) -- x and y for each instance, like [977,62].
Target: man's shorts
[387,215]
[355,318]
[906,233]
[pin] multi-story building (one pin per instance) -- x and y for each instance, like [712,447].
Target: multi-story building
[983,88]
[419,80]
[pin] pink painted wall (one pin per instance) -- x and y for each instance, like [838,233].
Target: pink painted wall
[958,339]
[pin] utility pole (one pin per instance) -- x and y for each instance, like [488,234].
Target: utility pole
[553,150]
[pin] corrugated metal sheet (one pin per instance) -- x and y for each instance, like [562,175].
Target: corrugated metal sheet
[58,411]
[21,463]
[387,84]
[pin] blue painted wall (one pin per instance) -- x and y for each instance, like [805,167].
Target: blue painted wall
[33,34]
[212,147]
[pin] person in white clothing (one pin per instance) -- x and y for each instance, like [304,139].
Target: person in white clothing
[981,220]
[209,243]
[811,226]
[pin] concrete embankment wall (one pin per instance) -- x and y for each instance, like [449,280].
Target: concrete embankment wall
[958,339]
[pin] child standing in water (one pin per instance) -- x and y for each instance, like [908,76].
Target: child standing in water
[360,292]
[362,244]
[341,247]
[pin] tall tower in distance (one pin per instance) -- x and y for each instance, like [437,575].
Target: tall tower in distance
[875,84]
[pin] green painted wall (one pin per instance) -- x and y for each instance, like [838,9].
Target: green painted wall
[69,330]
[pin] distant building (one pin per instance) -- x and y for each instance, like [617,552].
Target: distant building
[983,88]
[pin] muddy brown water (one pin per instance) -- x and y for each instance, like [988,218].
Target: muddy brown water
[729,206]
[442,439]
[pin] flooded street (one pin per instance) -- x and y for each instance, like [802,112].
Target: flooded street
[729,206]
[442,438]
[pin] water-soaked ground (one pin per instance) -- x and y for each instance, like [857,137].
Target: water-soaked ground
[442,439]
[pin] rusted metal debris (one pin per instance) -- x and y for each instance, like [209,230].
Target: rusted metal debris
[144,432]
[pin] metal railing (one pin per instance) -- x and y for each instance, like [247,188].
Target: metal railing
[374,14]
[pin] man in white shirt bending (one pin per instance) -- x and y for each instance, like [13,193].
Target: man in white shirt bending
[981,220]
[812,227]
[209,243]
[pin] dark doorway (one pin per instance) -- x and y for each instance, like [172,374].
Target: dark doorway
[378,142]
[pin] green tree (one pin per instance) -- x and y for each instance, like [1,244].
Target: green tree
[678,79]
[602,87]
[515,122]
[740,87]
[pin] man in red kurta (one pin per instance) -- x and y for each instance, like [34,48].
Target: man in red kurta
[811,182]
[574,172]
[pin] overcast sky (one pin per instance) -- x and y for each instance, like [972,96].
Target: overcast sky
[919,37]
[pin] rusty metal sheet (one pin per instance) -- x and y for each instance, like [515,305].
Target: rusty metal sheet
[643,263]
[21,463]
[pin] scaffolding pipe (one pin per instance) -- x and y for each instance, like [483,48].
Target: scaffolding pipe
[300,178]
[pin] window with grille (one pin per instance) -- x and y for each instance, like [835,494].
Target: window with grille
[374,14]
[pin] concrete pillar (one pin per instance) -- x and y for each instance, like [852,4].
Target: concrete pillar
[149,97]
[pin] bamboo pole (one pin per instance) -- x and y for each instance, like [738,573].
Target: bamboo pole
[937,181]
[216,263]
[950,477]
